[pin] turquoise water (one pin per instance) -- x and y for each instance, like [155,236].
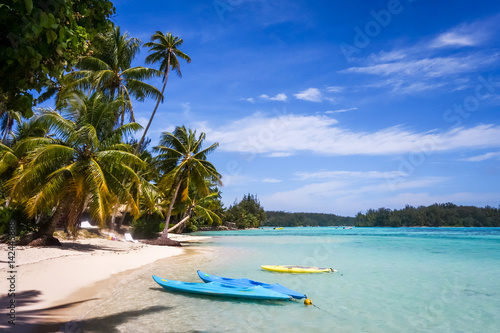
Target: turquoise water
[388,280]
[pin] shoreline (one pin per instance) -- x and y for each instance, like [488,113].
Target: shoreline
[54,283]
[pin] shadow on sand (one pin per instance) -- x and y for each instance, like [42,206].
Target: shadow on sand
[40,320]
[105,324]
[87,247]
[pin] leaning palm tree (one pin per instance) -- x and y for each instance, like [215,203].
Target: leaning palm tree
[164,50]
[81,166]
[184,163]
[109,70]
[199,207]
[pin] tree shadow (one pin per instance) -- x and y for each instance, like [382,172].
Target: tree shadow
[104,324]
[89,247]
[22,298]
[73,246]
[25,319]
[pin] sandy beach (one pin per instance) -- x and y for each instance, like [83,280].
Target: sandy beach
[51,283]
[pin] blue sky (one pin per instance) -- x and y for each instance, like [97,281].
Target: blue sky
[336,106]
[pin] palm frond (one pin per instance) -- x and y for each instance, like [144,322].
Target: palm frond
[141,90]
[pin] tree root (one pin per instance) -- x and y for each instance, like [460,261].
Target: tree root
[162,242]
[45,241]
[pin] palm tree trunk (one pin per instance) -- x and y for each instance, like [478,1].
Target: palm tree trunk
[156,107]
[181,222]
[164,233]
[8,127]
[113,216]
[75,213]
[120,221]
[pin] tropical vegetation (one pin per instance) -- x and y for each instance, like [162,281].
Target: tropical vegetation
[248,213]
[81,156]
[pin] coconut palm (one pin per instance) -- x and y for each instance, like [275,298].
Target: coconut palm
[81,166]
[143,192]
[11,157]
[109,70]
[184,164]
[164,49]
[7,119]
[202,207]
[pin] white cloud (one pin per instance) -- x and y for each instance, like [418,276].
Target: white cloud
[279,97]
[290,134]
[186,109]
[423,74]
[389,56]
[340,110]
[348,197]
[142,120]
[311,95]
[279,154]
[271,180]
[335,89]
[427,64]
[467,34]
[250,99]
[453,39]
[428,67]
[349,175]
[483,157]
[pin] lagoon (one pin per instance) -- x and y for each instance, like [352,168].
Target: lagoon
[388,280]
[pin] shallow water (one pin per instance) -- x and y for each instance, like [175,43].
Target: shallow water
[388,280]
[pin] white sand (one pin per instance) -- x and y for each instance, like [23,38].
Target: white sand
[52,276]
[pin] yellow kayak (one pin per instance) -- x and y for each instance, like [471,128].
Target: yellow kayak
[296,269]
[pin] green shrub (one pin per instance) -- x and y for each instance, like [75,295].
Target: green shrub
[23,223]
[147,227]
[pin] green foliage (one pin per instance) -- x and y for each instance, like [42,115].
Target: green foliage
[40,39]
[164,50]
[248,213]
[183,167]
[147,227]
[214,205]
[82,168]
[437,215]
[284,219]
[109,70]
[23,223]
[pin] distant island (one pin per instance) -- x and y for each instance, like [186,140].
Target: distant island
[436,215]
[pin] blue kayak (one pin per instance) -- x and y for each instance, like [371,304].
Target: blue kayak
[221,290]
[250,283]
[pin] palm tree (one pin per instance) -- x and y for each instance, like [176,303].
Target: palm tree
[109,70]
[7,119]
[166,52]
[183,164]
[140,192]
[199,207]
[81,166]
[11,157]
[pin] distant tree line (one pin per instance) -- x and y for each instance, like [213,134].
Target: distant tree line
[436,215]
[285,219]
